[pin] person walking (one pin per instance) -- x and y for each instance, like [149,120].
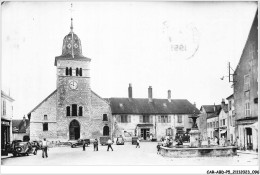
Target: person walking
[158,148]
[95,145]
[109,143]
[137,143]
[84,145]
[44,148]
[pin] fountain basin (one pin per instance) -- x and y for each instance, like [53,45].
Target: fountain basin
[198,152]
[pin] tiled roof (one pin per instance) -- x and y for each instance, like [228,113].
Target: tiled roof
[158,106]
[210,108]
[18,126]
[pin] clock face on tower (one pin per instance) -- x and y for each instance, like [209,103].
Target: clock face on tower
[73,85]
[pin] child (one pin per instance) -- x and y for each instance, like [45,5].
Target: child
[158,148]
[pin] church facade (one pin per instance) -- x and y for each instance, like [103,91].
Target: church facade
[73,110]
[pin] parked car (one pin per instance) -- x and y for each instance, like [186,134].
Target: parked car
[104,139]
[36,145]
[10,145]
[79,142]
[120,141]
[23,148]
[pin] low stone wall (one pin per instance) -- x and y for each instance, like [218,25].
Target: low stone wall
[198,152]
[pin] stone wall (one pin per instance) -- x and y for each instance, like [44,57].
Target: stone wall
[47,107]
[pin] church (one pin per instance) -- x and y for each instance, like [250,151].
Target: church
[72,110]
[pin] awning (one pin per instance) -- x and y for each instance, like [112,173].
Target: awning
[254,126]
[145,125]
[223,131]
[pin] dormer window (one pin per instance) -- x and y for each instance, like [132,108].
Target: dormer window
[105,117]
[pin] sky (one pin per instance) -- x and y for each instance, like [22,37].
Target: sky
[181,46]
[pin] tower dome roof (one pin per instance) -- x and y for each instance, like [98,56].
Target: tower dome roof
[71,43]
[71,48]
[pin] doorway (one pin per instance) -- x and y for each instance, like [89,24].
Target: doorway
[249,138]
[145,133]
[74,130]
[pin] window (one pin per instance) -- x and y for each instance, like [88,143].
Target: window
[106,131]
[213,124]
[229,105]
[164,119]
[68,110]
[217,124]
[4,107]
[179,119]
[125,119]
[74,110]
[80,111]
[105,117]
[146,119]
[67,71]
[246,83]
[80,71]
[190,120]
[45,117]
[247,109]
[169,132]
[45,126]
[70,72]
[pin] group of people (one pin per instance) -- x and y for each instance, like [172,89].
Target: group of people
[95,144]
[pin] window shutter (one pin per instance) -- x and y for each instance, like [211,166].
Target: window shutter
[141,119]
[159,119]
[129,118]
[169,119]
[118,119]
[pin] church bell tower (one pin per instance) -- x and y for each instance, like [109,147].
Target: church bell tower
[73,88]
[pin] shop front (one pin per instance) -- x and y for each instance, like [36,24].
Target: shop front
[145,131]
[5,136]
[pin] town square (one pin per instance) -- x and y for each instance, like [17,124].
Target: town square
[129,84]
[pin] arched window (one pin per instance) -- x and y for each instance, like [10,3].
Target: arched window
[80,111]
[105,117]
[70,71]
[68,110]
[74,110]
[67,71]
[106,131]
[80,71]
[77,71]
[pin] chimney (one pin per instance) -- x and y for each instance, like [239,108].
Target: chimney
[214,108]
[223,103]
[24,122]
[150,94]
[194,104]
[130,93]
[169,95]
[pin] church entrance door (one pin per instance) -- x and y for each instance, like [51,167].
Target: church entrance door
[74,130]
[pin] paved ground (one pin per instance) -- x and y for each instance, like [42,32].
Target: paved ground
[123,155]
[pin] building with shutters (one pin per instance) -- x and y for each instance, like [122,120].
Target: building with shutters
[246,91]
[143,117]
[72,110]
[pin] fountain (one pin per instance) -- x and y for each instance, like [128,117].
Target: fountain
[195,149]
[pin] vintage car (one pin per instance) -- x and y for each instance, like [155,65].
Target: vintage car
[104,139]
[120,141]
[36,145]
[10,145]
[79,142]
[23,148]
